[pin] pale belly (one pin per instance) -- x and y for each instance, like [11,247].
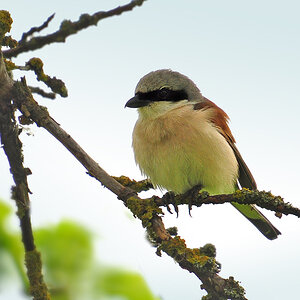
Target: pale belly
[177,161]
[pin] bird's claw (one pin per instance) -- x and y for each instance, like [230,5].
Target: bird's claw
[170,199]
[192,194]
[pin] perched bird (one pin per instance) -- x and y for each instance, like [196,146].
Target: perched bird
[181,139]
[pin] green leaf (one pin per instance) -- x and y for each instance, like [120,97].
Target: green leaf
[66,252]
[123,283]
[10,247]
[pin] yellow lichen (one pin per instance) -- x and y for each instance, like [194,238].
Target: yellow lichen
[174,247]
[9,65]
[138,186]
[5,22]
[144,209]
[177,249]
[36,65]
[9,42]
[56,85]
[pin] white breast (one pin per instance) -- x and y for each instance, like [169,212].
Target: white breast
[181,148]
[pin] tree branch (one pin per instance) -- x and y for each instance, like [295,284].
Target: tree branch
[12,146]
[260,198]
[68,28]
[56,85]
[244,196]
[32,30]
[41,92]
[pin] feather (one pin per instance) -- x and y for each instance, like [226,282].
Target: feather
[246,180]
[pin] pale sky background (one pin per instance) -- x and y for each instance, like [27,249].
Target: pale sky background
[243,55]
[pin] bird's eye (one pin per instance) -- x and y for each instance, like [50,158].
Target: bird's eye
[163,94]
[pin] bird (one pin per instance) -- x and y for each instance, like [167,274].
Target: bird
[182,139]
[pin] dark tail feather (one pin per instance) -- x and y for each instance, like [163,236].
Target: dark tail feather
[258,220]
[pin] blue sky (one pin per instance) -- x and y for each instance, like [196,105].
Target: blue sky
[243,55]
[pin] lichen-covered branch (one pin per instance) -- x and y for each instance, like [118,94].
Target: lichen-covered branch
[36,65]
[68,28]
[244,196]
[260,198]
[56,85]
[37,288]
[9,42]
[198,261]
[12,146]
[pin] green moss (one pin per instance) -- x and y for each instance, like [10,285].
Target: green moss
[174,247]
[177,249]
[57,86]
[33,262]
[68,27]
[209,250]
[87,19]
[5,23]
[124,180]
[172,230]
[15,195]
[262,198]
[9,65]
[9,42]
[240,194]
[138,186]
[36,65]
[63,91]
[144,209]
[233,290]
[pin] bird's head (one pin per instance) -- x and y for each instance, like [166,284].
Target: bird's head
[161,91]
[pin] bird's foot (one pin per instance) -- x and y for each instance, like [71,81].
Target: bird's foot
[192,194]
[169,198]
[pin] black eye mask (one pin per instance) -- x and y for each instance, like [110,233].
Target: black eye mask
[163,95]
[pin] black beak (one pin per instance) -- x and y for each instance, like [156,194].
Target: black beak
[136,102]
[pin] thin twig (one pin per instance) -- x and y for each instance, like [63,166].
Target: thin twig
[68,28]
[41,92]
[32,30]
